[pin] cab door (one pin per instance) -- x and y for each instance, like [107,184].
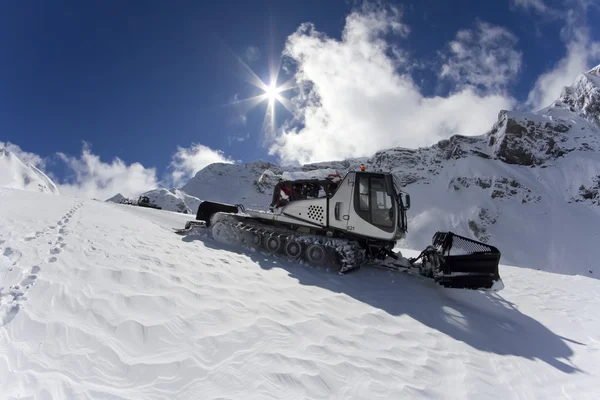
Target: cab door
[373,209]
[341,202]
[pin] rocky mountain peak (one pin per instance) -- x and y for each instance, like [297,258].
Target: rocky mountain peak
[571,123]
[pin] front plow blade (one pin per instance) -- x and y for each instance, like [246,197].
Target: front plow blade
[465,263]
[205,213]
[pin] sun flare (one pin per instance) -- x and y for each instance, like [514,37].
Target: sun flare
[272,92]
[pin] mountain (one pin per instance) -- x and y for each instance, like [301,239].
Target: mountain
[168,199]
[530,185]
[173,200]
[117,198]
[103,301]
[14,174]
[233,183]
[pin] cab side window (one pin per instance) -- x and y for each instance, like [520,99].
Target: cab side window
[363,193]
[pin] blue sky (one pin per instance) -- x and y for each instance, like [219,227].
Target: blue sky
[156,83]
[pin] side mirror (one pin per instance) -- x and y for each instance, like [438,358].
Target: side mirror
[407,198]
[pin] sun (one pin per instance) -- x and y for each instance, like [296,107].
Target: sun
[272,92]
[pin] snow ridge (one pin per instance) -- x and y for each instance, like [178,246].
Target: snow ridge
[14,174]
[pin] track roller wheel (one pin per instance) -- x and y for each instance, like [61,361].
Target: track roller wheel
[220,232]
[273,243]
[316,254]
[253,239]
[293,249]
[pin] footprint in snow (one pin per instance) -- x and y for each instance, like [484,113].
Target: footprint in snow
[34,236]
[27,282]
[52,259]
[10,301]
[11,255]
[8,312]
[55,250]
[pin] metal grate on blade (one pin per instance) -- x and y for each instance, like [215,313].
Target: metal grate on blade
[460,245]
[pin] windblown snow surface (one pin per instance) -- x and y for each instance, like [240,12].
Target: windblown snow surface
[101,300]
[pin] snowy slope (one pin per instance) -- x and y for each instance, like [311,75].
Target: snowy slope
[530,185]
[14,174]
[100,300]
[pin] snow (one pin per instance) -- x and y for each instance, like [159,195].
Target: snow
[324,173]
[101,300]
[15,174]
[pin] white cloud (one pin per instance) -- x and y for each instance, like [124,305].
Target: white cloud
[354,98]
[536,5]
[187,161]
[238,138]
[484,57]
[97,179]
[88,176]
[24,156]
[582,54]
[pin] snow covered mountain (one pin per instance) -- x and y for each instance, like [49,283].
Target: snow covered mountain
[530,185]
[233,183]
[14,174]
[168,199]
[99,300]
[173,200]
[117,198]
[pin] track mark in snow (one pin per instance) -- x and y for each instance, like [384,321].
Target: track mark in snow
[55,250]
[52,259]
